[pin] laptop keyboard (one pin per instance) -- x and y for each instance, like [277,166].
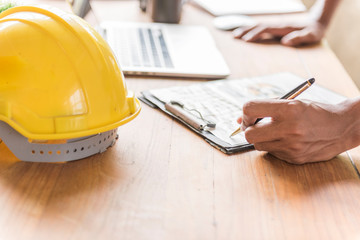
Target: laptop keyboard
[140,47]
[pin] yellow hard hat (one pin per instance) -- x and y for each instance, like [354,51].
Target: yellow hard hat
[58,78]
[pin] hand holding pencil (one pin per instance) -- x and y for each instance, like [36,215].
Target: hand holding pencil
[290,95]
[301,131]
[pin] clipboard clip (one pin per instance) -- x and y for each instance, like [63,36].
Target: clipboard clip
[187,115]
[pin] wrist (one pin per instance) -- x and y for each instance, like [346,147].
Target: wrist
[322,11]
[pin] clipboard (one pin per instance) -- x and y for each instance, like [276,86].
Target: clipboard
[214,141]
[236,91]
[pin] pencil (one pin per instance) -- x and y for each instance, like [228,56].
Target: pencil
[290,95]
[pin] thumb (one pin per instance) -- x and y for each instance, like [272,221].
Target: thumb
[301,37]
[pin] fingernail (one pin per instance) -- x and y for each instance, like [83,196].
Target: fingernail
[246,37]
[237,32]
[287,42]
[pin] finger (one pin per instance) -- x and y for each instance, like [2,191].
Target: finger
[262,108]
[282,152]
[256,34]
[266,132]
[300,152]
[241,31]
[298,38]
[270,146]
[239,120]
[263,32]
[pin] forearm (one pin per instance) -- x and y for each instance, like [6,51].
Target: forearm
[323,10]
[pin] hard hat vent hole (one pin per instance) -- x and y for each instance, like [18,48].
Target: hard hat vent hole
[73,149]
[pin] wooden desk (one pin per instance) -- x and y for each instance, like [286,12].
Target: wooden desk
[161,181]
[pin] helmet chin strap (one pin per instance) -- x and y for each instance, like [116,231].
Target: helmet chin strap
[74,149]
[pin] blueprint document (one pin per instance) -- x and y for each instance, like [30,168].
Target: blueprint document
[221,101]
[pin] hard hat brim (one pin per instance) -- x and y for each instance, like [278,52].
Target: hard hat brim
[78,134]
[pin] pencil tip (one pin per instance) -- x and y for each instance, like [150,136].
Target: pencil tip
[236,132]
[311,80]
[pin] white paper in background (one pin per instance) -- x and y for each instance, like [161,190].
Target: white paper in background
[221,101]
[248,7]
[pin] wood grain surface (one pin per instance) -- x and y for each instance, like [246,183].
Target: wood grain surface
[162,181]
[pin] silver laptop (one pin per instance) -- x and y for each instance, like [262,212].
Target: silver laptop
[160,49]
